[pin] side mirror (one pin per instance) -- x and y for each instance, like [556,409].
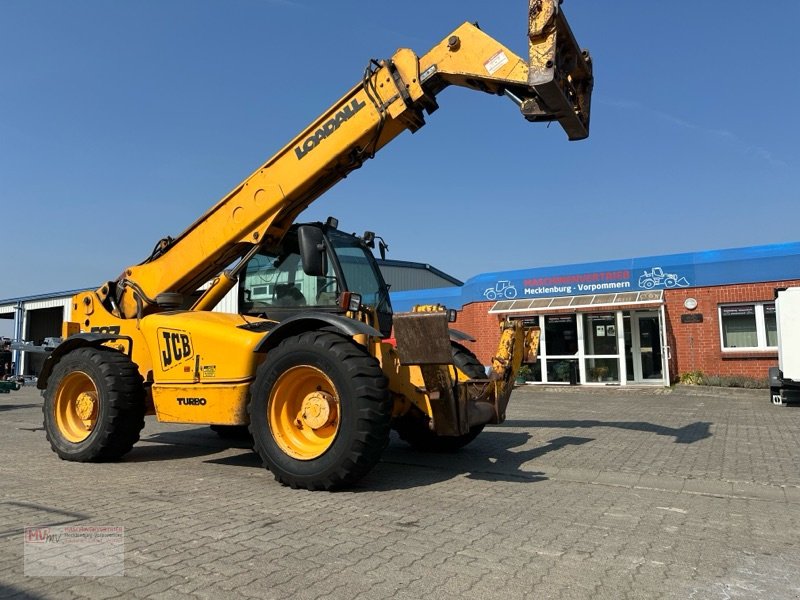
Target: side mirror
[312,251]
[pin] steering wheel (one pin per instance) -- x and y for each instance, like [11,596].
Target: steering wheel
[331,281]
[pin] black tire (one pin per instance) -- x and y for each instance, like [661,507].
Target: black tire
[465,360]
[119,408]
[231,432]
[414,428]
[364,410]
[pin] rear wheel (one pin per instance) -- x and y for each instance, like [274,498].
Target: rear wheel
[319,411]
[93,405]
[464,359]
[414,429]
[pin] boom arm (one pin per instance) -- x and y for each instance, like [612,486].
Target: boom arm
[554,85]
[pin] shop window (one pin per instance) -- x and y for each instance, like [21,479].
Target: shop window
[748,326]
[563,371]
[600,334]
[771,325]
[600,346]
[561,335]
[535,366]
[602,370]
[560,345]
[536,372]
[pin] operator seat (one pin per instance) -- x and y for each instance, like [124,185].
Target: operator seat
[287,294]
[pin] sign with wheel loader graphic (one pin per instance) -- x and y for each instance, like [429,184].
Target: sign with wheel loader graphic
[656,277]
[618,276]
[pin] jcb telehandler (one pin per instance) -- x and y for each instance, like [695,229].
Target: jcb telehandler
[316,366]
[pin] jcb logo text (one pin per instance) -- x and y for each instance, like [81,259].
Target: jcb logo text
[175,346]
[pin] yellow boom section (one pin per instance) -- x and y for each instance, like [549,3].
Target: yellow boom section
[554,84]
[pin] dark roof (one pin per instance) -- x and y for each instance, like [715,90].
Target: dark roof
[421,266]
[34,297]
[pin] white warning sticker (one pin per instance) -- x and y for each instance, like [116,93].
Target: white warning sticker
[497,60]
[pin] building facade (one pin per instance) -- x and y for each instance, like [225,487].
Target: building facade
[638,321]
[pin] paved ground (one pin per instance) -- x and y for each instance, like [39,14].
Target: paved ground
[693,493]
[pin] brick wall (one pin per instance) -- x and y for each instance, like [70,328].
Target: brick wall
[694,346]
[485,328]
[698,346]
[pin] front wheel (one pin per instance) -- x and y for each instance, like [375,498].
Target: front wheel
[93,405]
[319,411]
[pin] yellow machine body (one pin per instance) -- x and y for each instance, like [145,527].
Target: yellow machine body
[197,366]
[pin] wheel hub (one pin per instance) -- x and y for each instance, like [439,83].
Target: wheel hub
[318,410]
[86,406]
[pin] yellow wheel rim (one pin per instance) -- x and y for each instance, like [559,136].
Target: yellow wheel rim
[76,406]
[303,412]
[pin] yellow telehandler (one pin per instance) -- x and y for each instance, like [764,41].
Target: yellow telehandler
[315,364]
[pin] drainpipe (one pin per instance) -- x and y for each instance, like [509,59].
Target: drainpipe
[19,315]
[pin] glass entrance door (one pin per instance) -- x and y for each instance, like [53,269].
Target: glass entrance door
[643,348]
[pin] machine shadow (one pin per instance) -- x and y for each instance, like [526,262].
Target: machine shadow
[7,407]
[187,443]
[494,456]
[688,434]
[10,591]
[490,458]
[58,517]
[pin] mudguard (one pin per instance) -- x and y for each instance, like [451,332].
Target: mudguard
[309,321]
[78,340]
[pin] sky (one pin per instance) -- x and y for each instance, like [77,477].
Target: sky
[122,122]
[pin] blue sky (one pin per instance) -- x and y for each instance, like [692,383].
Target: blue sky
[121,122]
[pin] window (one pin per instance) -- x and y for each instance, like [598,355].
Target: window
[561,348]
[561,335]
[771,325]
[748,326]
[600,347]
[278,281]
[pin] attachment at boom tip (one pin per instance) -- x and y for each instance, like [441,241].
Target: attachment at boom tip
[560,72]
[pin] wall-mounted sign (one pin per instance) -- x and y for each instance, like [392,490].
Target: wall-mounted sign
[745,310]
[692,318]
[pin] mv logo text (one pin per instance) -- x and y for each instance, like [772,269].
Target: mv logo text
[328,128]
[175,347]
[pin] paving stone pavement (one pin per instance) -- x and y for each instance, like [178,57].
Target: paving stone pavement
[625,493]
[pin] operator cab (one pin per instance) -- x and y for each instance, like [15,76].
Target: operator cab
[314,264]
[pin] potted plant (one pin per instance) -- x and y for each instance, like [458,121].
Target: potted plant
[524,374]
[561,370]
[599,372]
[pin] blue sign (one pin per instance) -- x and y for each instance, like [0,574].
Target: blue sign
[717,267]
